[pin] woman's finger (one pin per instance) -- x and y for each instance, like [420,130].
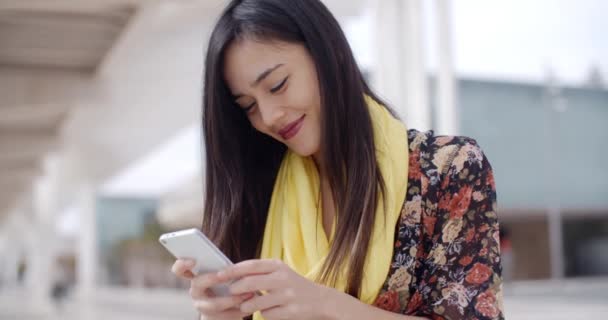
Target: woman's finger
[261,282]
[265,302]
[200,284]
[200,293]
[250,267]
[280,312]
[182,268]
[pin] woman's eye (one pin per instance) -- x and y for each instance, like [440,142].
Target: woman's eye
[278,87]
[249,107]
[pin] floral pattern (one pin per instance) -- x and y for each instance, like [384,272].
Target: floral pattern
[446,261]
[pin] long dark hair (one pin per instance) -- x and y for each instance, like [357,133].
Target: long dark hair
[242,163]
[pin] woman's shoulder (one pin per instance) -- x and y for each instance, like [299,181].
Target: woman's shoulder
[436,154]
[446,260]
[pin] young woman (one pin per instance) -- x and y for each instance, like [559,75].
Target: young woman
[322,198]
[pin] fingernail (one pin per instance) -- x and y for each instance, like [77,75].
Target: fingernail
[190,263]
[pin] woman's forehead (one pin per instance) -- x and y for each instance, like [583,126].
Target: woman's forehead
[246,59]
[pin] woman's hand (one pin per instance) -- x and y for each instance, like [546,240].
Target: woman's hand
[208,305]
[288,295]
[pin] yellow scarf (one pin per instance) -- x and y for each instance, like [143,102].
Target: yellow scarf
[294,231]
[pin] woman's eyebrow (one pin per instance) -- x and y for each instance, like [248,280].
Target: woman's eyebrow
[265,74]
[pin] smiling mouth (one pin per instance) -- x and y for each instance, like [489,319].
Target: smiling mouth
[290,130]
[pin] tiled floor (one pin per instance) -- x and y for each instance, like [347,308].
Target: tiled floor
[115,304]
[557,300]
[572,299]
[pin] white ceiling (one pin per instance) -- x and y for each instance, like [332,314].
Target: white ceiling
[107,81]
[56,38]
[42,44]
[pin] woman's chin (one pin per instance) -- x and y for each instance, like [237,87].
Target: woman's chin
[302,150]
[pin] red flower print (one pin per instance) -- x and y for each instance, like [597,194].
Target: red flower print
[445,182]
[479,274]
[483,252]
[465,261]
[414,168]
[429,224]
[444,202]
[470,235]
[414,304]
[460,202]
[486,305]
[388,301]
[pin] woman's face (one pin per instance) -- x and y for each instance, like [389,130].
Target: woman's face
[276,85]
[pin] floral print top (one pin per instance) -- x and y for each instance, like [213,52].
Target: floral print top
[446,261]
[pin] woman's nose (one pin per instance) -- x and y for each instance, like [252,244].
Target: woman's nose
[271,114]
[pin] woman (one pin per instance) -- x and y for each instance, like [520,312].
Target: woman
[322,198]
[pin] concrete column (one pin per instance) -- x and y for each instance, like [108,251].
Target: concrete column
[39,247]
[388,70]
[39,271]
[447,108]
[78,194]
[400,72]
[87,247]
[10,267]
[556,245]
[11,251]
[418,110]
[9,256]
[42,238]
[4,258]
[554,103]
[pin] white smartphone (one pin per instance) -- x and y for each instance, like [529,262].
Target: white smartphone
[193,244]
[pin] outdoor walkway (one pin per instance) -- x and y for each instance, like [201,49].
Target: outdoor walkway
[572,299]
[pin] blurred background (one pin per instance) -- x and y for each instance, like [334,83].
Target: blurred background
[100,140]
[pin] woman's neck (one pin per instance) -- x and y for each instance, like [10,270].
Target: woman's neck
[318,159]
[321,168]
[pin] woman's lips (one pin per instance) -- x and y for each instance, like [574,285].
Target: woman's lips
[290,130]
